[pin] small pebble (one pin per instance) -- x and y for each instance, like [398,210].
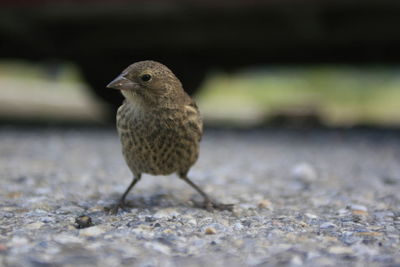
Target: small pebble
[91,231]
[158,247]
[296,261]
[34,226]
[14,195]
[210,231]
[359,210]
[263,204]
[48,219]
[168,231]
[83,221]
[369,234]
[165,213]
[340,250]
[327,225]
[343,212]
[65,238]
[238,226]
[18,241]
[8,215]
[149,219]
[68,209]
[358,207]
[311,216]
[349,238]
[304,171]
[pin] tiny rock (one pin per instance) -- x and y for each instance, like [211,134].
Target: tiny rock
[369,234]
[92,231]
[328,225]
[34,226]
[304,171]
[343,212]
[359,210]
[210,231]
[340,250]
[166,213]
[18,241]
[158,247]
[311,216]
[263,204]
[14,195]
[358,207]
[296,260]
[303,224]
[238,226]
[83,221]
[65,239]
[168,231]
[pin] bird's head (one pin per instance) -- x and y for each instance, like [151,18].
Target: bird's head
[147,82]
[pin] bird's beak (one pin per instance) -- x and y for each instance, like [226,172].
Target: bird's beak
[121,83]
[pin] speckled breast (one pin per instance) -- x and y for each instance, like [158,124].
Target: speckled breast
[157,143]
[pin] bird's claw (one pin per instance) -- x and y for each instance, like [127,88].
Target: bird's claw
[211,206]
[113,210]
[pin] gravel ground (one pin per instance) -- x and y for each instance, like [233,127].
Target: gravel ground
[315,198]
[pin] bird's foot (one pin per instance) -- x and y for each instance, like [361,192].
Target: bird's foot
[212,205]
[113,210]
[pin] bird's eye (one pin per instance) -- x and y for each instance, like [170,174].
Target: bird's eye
[145,77]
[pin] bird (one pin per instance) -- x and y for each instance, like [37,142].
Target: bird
[159,126]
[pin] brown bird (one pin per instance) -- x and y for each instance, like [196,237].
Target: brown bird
[159,125]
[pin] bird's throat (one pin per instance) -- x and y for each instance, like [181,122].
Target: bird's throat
[134,100]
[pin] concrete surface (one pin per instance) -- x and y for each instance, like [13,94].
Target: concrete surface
[302,198]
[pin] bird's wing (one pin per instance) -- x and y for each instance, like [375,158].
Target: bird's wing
[194,118]
[122,118]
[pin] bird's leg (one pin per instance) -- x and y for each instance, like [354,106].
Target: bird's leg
[121,202]
[208,203]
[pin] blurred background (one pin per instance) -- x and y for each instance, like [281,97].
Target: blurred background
[289,63]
